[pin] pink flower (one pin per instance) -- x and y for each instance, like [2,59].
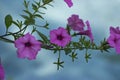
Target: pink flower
[114,38]
[28,46]
[114,30]
[76,23]
[69,3]
[60,37]
[2,73]
[87,32]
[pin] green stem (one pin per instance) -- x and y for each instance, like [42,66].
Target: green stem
[6,40]
[59,54]
[14,33]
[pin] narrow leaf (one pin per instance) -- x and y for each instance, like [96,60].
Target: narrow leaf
[67,51]
[39,16]
[25,17]
[29,21]
[45,39]
[46,1]
[34,7]
[29,13]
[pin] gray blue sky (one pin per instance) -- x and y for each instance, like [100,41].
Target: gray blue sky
[103,66]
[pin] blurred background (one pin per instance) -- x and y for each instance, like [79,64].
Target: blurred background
[103,66]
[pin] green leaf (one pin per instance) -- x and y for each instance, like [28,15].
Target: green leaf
[29,21]
[55,51]
[37,3]
[68,29]
[46,26]
[46,1]
[34,29]
[20,23]
[34,7]
[29,13]
[73,56]
[8,21]
[77,45]
[59,64]
[15,23]
[41,12]
[44,7]
[87,57]
[39,16]
[44,38]
[25,17]
[87,44]
[67,51]
[26,3]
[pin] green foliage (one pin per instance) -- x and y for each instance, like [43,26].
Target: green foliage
[87,57]
[46,26]
[35,8]
[29,21]
[104,46]
[18,23]
[73,56]
[28,12]
[26,4]
[44,38]
[78,45]
[67,50]
[39,16]
[87,44]
[59,64]
[46,1]
[31,13]
[8,21]
[29,18]
[68,29]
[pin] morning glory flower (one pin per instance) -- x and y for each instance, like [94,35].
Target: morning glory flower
[60,37]
[87,32]
[114,38]
[76,23]
[27,46]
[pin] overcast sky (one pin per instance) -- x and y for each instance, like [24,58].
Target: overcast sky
[103,66]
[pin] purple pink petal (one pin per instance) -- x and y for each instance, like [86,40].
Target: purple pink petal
[60,37]
[114,38]
[69,3]
[76,23]
[27,46]
[2,73]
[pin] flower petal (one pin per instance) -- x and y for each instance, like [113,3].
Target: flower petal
[2,73]
[76,23]
[69,3]
[62,32]
[24,51]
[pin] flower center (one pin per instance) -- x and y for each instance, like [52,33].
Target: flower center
[28,44]
[59,37]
